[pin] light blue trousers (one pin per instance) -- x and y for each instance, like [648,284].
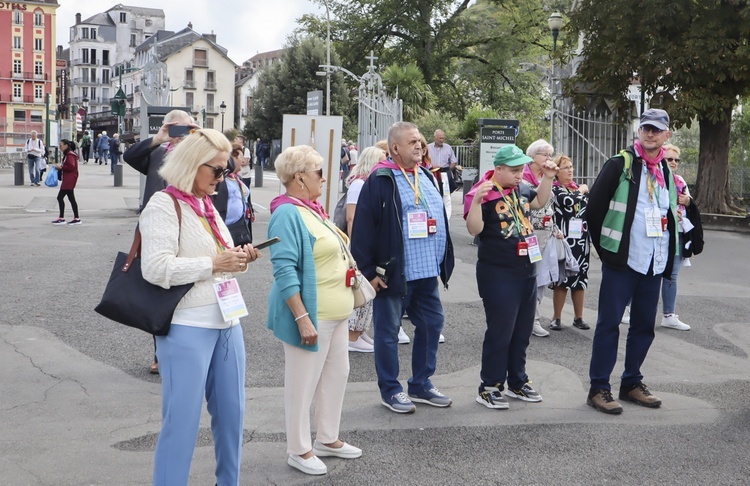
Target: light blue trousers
[194,361]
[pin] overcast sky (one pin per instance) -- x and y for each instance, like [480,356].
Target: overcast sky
[245,28]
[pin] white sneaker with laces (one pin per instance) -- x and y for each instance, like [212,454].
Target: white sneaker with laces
[361,346]
[539,331]
[403,338]
[672,321]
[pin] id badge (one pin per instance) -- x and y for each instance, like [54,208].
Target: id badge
[417,224]
[432,226]
[575,228]
[664,223]
[351,276]
[546,221]
[535,253]
[230,299]
[653,223]
[522,249]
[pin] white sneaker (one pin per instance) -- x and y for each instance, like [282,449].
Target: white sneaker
[672,321]
[403,338]
[625,316]
[367,339]
[441,340]
[538,330]
[361,346]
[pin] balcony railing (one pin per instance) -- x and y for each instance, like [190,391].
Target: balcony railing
[200,62]
[188,84]
[78,62]
[211,85]
[86,81]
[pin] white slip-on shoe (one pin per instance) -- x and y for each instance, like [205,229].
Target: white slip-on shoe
[360,346]
[311,465]
[347,451]
[366,338]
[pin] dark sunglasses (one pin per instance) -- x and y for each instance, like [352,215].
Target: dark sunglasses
[319,172]
[219,172]
[670,159]
[652,129]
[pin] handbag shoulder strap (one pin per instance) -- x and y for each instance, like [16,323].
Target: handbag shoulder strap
[135,248]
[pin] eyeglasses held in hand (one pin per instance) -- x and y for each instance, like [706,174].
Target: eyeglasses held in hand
[219,172]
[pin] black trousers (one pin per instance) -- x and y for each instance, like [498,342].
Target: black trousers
[71,197]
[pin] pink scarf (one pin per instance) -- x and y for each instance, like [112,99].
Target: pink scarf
[389,164]
[314,206]
[490,196]
[194,203]
[570,185]
[653,164]
[529,176]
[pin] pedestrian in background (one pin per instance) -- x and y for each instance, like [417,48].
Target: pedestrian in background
[308,310]
[102,147]
[34,153]
[86,147]
[497,209]
[69,174]
[444,159]
[114,151]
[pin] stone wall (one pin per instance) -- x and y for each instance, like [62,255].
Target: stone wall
[8,159]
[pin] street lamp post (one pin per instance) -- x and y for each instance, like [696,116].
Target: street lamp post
[222,110]
[328,59]
[555,23]
[203,112]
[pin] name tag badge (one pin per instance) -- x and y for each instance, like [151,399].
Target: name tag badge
[522,249]
[547,221]
[432,226]
[653,223]
[575,228]
[230,299]
[417,224]
[535,253]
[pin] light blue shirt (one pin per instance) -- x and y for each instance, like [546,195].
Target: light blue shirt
[644,248]
[236,201]
[422,256]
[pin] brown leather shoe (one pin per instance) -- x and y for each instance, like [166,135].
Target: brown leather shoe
[603,401]
[154,369]
[640,395]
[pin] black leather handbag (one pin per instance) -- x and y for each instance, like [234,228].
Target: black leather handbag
[131,300]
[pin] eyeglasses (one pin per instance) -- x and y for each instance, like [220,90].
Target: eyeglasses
[570,167]
[652,129]
[319,172]
[219,172]
[549,156]
[670,159]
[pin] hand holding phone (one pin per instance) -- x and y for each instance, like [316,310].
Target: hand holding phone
[179,131]
[267,243]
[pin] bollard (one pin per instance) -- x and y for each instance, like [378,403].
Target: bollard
[118,175]
[258,175]
[467,186]
[18,170]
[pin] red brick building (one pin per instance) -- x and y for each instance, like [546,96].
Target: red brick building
[27,69]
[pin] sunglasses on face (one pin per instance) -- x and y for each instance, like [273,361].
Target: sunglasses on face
[318,171]
[219,172]
[670,159]
[652,129]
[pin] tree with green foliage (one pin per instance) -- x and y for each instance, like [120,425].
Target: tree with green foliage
[282,89]
[693,54]
[407,83]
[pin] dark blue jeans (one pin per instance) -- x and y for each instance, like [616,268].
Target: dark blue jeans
[509,308]
[618,288]
[422,303]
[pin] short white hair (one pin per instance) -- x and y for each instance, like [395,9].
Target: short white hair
[293,160]
[177,115]
[539,147]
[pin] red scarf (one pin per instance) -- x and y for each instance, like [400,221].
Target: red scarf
[194,203]
[490,196]
[652,164]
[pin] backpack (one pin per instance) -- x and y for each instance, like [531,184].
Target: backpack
[339,214]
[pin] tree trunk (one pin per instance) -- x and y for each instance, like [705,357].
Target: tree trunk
[712,193]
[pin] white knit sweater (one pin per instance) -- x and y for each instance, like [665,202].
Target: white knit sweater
[165,261]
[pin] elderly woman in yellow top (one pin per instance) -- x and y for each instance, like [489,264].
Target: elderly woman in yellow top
[204,352]
[308,310]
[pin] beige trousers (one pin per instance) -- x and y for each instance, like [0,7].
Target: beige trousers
[322,376]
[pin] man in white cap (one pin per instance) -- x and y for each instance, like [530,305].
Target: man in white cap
[632,220]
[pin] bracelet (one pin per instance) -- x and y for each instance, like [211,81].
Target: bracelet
[300,317]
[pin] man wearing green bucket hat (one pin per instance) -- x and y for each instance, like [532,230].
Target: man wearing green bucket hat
[497,211]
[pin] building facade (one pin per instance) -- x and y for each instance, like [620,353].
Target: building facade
[27,77]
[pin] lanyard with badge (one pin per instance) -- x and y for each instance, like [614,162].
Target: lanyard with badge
[528,243]
[419,223]
[656,224]
[226,289]
[575,225]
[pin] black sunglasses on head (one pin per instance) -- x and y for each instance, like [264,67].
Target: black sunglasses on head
[219,172]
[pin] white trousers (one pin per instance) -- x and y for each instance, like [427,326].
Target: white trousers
[322,376]
[447,196]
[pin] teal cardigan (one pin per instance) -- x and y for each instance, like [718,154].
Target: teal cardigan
[293,272]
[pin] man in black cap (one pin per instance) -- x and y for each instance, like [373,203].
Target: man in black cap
[632,220]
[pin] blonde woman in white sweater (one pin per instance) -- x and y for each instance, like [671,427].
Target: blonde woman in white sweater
[204,352]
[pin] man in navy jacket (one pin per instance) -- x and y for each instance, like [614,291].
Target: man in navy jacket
[401,243]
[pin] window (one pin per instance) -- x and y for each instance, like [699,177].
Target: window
[17,17]
[84,75]
[19,115]
[38,44]
[84,33]
[189,101]
[85,56]
[17,66]
[16,90]
[36,116]
[93,33]
[209,123]
[38,69]
[123,17]
[200,58]
[93,56]
[210,80]
[38,92]
[39,19]
[210,103]
[132,40]
[189,82]
[105,93]
[93,93]
[84,92]
[105,76]
[16,42]
[105,58]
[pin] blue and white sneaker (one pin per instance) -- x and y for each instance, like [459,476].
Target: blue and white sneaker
[431,397]
[526,393]
[399,403]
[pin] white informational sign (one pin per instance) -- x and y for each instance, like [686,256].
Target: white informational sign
[492,138]
[323,133]
[54,134]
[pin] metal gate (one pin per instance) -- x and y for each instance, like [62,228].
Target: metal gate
[377,110]
[589,139]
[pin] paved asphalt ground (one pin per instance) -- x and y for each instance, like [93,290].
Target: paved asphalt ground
[78,406]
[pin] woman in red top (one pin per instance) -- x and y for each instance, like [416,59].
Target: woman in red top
[69,170]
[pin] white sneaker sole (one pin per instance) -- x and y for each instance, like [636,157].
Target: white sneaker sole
[510,394]
[427,402]
[493,406]
[392,409]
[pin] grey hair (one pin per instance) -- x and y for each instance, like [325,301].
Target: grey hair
[176,115]
[538,146]
[394,133]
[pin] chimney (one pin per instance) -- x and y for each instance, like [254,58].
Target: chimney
[190,25]
[78,18]
[211,37]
